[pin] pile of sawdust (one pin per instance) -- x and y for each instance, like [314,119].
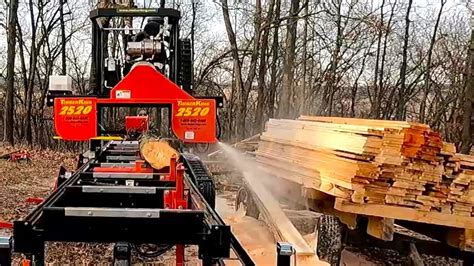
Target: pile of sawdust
[255,237]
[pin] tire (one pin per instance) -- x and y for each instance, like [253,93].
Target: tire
[208,191]
[329,239]
[122,263]
[252,209]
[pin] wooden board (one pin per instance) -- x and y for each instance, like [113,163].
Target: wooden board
[407,214]
[275,217]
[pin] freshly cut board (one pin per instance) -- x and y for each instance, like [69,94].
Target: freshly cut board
[373,167]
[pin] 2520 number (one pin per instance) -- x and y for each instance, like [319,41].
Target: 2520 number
[192,111]
[75,110]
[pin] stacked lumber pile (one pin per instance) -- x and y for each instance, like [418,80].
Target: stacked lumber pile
[375,162]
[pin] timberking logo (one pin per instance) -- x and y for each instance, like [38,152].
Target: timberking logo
[193,103]
[76,102]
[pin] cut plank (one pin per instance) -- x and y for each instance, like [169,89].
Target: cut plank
[275,217]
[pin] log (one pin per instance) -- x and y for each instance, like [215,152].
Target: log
[157,152]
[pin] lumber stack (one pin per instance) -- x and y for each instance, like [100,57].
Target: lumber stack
[373,162]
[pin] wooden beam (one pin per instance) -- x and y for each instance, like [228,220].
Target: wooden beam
[461,238]
[381,228]
[403,213]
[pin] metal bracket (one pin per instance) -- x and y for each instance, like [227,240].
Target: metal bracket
[217,243]
[6,244]
[284,252]
[122,253]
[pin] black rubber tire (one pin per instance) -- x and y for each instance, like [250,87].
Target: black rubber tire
[329,239]
[122,263]
[252,209]
[208,191]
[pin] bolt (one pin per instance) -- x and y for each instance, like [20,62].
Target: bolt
[180,207]
[166,192]
[101,190]
[26,223]
[148,214]
[89,213]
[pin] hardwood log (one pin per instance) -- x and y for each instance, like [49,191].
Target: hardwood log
[157,152]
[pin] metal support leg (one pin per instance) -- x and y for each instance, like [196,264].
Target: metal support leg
[179,255]
[122,254]
[5,251]
[284,253]
[37,258]
[468,259]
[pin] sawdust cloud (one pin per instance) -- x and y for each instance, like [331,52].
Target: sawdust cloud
[247,166]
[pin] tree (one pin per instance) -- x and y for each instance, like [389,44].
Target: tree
[426,87]
[401,112]
[286,106]
[468,100]
[262,67]
[9,104]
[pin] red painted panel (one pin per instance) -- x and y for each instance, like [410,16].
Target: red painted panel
[75,118]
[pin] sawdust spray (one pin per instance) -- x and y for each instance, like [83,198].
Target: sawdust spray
[251,170]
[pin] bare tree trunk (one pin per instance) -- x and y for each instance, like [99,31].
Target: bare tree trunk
[466,142]
[286,103]
[375,103]
[355,87]
[262,68]
[301,91]
[252,66]
[401,105]
[193,27]
[239,88]
[31,77]
[330,87]
[426,86]
[381,89]
[273,71]
[63,37]
[9,104]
